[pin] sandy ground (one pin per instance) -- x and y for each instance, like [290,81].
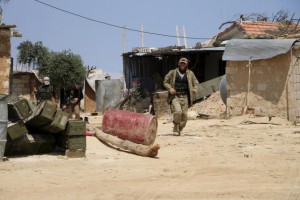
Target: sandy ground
[240,158]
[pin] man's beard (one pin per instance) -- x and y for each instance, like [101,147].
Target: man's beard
[182,70]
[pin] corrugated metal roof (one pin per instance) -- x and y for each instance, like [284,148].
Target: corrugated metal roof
[256,49]
[179,51]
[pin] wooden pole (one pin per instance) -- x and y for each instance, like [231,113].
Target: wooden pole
[177,34]
[142,37]
[139,149]
[184,36]
[124,39]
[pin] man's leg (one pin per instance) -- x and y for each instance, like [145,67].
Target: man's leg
[176,108]
[77,111]
[184,106]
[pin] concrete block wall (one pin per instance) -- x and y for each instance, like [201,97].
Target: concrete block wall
[267,86]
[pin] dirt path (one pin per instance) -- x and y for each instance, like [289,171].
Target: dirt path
[213,159]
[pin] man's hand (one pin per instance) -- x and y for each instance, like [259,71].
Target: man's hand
[194,91]
[64,107]
[172,91]
[75,100]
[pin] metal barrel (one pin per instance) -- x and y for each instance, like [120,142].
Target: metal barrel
[135,127]
[3,127]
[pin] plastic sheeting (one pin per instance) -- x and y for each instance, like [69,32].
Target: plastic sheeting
[109,94]
[256,49]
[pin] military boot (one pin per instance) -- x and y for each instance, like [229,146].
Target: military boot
[176,130]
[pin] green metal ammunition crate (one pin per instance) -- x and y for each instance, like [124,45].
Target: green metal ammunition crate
[58,124]
[22,146]
[30,144]
[78,153]
[18,108]
[45,142]
[75,127]
[71,142]
[43,115]
[16,130]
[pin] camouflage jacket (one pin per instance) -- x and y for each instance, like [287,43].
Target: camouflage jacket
[169,82]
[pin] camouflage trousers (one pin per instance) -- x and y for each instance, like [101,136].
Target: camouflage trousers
[179,109]
[73,109]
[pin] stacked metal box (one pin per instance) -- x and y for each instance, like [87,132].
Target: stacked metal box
[58,124]
[39,129]
[16,130]
[42,115]
[30,144]
[18,108]
[73,138]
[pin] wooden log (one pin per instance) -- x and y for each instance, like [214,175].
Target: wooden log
[139,149]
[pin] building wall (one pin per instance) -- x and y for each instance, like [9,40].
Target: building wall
[294,87]
[25,84]
[4,59]
[89,99]
[268,94]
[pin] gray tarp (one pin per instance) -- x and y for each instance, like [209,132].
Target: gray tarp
[256,49]
[109,94]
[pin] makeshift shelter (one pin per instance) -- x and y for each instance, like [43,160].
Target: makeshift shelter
[263,77]
[143,65]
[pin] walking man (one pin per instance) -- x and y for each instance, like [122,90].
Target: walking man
[182,86]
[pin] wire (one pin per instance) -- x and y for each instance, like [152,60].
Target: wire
[113,25]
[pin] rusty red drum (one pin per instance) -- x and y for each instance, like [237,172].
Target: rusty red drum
[135,127]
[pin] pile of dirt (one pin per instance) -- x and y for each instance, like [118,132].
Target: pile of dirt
[212,105]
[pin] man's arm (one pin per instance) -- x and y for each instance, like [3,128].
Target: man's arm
[54,95]
[167,82]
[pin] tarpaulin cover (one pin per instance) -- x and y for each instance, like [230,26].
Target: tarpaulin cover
[256,49]
[109,94]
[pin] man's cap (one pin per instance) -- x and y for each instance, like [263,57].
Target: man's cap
[78,83]
[183,60]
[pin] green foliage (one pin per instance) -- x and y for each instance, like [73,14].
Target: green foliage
[64,69]
[32,55]
[135,96]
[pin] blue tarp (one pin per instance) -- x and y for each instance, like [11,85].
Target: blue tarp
[256,49]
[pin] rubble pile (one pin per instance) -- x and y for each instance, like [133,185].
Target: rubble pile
[41,129]
[212,105]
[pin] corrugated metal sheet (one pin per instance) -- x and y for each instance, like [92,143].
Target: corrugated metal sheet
[256,49]
[208,87]
[3,127]
[109,94]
